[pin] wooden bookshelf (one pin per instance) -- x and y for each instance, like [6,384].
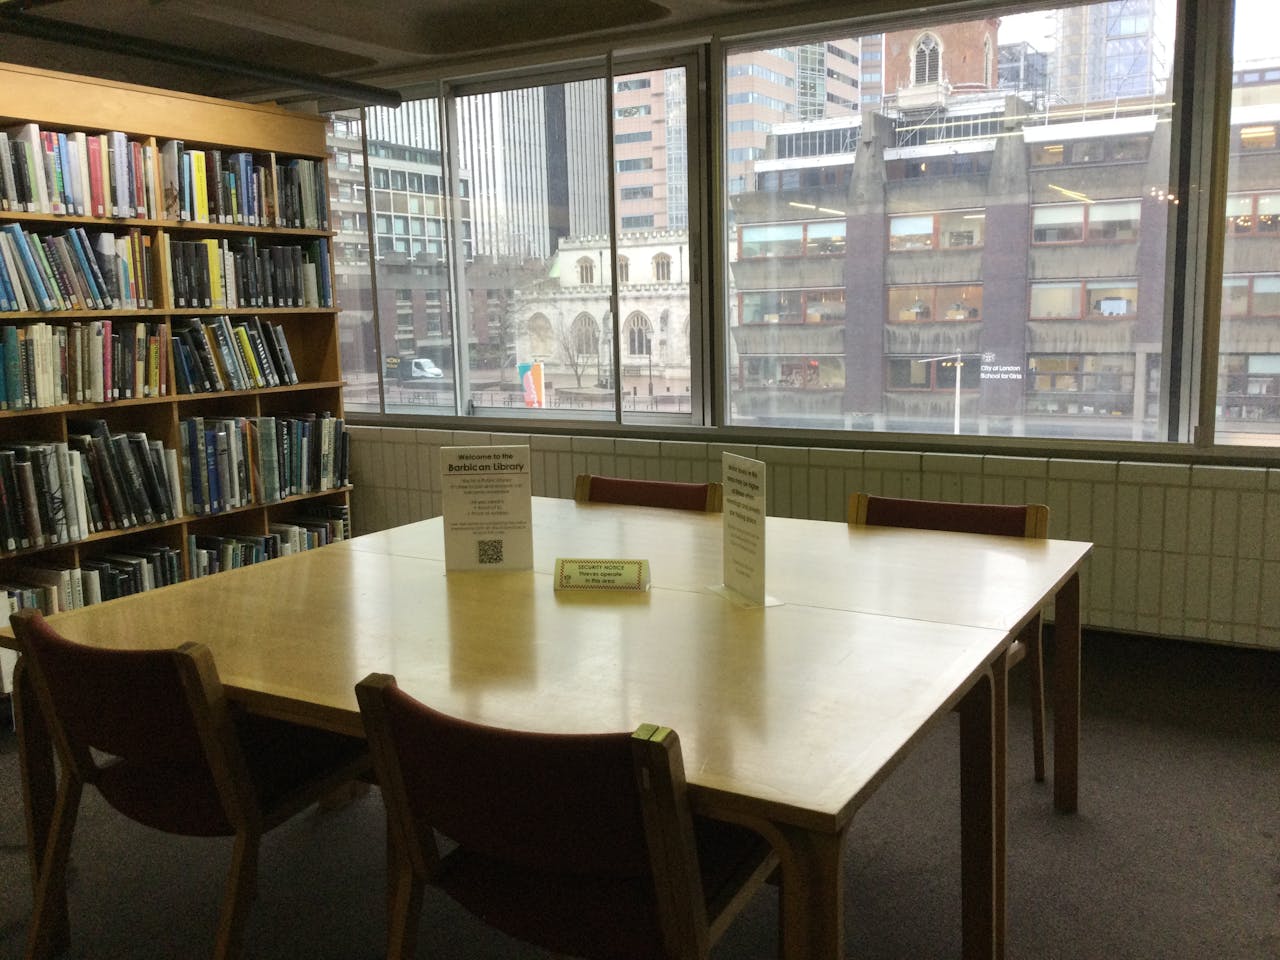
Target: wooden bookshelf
[69,104]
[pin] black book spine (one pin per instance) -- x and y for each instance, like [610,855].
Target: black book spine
[131,473]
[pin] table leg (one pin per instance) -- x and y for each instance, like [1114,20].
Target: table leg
[982,815]
[812,896]
[39,794]
[1066,696]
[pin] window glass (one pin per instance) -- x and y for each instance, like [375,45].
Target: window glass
[911,233]
[1063,223]
[1026,175]
[1248,383]
[515,215]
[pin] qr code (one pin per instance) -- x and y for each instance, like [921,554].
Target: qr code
[490,551]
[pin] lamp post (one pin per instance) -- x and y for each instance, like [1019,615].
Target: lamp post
[952,360]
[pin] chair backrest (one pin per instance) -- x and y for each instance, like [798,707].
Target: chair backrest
[1021,520]
[706,497]
[159,715]
[561,803]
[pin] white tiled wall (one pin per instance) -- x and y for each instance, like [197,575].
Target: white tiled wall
[1179,550]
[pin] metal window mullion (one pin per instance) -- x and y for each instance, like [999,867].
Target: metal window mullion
[450,154]
[1202,225]
[611,181]
[371,259]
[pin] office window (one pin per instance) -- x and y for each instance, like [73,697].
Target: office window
[1260,136]
[955,229]
[1102,222]
[1253,214]
[1092,299]
[951,303]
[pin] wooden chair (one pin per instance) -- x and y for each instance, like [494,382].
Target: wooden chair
[153,731]
[582,844]
[707,497]
[1025,520]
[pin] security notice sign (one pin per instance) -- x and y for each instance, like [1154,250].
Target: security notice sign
[488,522]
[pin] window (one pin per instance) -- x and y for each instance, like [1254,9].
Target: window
[933,373]
[1257,296]
[639,335]
[792,306]
[1103,222]
[776,240]
[1073,174]
[952,303]
[1093,299]
[586,271]
[662,268]
[926,60]
[1256,215]
[1080,385]
[952,230]
[584,336]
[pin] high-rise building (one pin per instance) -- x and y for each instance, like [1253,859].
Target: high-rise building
[1115,49]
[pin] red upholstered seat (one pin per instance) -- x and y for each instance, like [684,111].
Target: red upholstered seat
[706,497]
[995,519]
[152,730]
[557,842]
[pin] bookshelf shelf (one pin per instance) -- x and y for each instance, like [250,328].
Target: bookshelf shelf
[217,471]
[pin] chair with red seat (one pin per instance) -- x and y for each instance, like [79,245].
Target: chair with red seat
[152,730]
[1009,520]
[582,844]
[706,497]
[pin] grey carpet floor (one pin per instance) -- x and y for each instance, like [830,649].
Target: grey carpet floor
[1174,855]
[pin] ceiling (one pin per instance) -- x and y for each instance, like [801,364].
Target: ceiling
[362,41]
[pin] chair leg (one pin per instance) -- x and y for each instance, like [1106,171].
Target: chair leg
[241,888]
[404,909]
[1035,665]
[52,883]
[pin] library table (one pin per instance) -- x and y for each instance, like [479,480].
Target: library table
[789,715]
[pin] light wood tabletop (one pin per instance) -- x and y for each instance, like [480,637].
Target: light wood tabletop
[789,715]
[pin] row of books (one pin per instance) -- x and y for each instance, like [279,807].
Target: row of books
[232,462]
[74,270]
[216,353]
[61,491]
[239,272]
[94,361]
[213,186]
[120,573]
[141,567]
[211,554]
[76,173]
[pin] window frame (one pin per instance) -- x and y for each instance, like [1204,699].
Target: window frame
[1192,233]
